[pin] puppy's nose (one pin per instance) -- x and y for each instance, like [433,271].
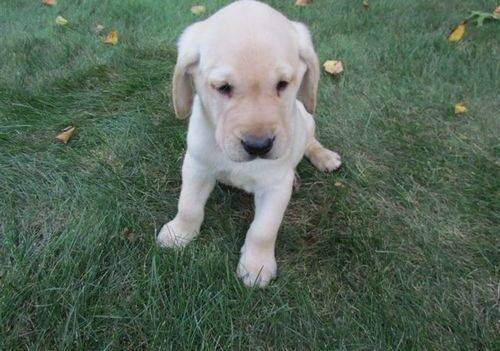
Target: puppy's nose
[257,145]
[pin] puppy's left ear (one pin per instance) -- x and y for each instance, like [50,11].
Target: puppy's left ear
[187,59]
[309,86]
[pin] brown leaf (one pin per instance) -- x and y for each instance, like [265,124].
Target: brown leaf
[65,134]
[111,38]
[303,2]
[366,4]
[128,234]
[49,2]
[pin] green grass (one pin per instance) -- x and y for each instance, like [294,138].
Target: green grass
[405,255]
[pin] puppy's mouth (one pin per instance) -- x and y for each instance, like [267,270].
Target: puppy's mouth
[244,158]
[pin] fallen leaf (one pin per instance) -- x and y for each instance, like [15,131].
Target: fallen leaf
[480,17]
[333,67]
[65,134]
[339,185]
[365,4]
[49,2]
[460,108]
[303,2]
[60,20]
[198,9]
[98,28]
[457,33]
[111,38]
[128,234]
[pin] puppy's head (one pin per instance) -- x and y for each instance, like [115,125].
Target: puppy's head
[248,64]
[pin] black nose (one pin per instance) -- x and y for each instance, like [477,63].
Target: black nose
[257,146]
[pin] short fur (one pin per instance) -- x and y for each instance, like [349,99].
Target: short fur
[252,47]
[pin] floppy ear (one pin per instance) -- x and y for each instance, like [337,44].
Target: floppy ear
[182,85]
[309,86]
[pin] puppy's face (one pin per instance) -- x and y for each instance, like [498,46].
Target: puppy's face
[249,64]
[251,101]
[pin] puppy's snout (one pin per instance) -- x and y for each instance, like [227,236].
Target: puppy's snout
[258,145]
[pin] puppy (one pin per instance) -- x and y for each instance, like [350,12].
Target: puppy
[248,78]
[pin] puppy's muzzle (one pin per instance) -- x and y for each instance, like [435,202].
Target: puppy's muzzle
[258,146]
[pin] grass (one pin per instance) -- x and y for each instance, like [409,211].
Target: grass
[404,255]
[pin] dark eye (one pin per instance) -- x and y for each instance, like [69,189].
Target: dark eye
[281,86]
[225,89]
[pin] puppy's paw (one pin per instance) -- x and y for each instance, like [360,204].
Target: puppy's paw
[175,234]
[326,160]
[256,269]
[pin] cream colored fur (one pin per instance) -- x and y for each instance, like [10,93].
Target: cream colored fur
[252,47]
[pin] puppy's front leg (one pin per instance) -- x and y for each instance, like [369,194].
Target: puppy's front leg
[197,184]
[257,264]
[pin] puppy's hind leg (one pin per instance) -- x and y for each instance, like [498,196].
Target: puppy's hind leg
[322,158]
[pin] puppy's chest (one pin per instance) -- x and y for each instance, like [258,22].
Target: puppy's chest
[248,176]
[238,178]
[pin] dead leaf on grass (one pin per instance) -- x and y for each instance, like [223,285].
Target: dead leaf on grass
[61,21]
[49,2]
[65,134]
[198,9]
[457,33]
[98,28]
[111,38]
[128,234]
[303,2]
[459,108]
[366,4]
[333,67]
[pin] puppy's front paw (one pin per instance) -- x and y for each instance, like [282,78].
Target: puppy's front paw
[256,269]
[175,234]
[326,160]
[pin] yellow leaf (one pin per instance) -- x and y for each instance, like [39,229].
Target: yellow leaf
[198,9]
[65,134]
[333,67]
[49,2]
[111,38]
[457,33]
[460,108]
[303,2]
[365,4]
[61,21]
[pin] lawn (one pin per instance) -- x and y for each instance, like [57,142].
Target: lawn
[399,249]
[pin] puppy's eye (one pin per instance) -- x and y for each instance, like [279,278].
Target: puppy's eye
[225,89]
[281,86]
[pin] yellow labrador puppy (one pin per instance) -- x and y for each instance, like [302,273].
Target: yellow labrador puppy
[248,77]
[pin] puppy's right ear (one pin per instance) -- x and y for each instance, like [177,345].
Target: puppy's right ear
[187,58]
